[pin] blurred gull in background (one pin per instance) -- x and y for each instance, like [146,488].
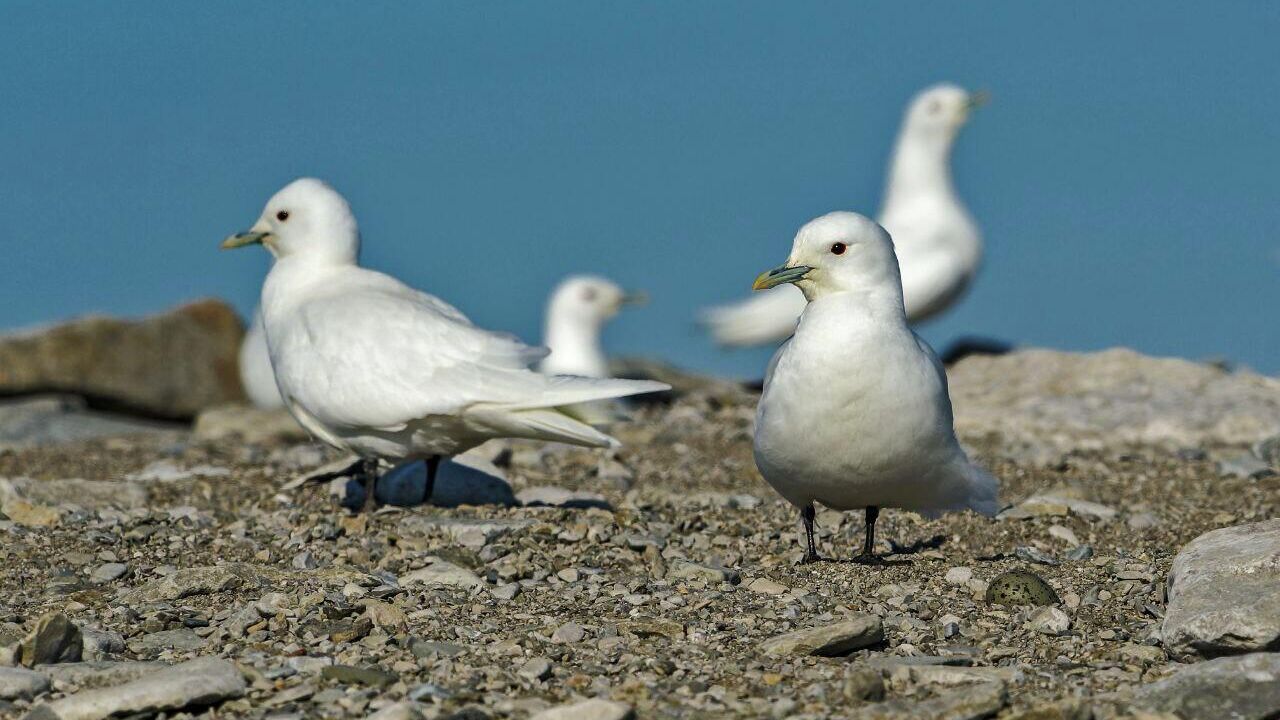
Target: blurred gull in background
[377,368]
[576,314]
[256,375]
[937,242]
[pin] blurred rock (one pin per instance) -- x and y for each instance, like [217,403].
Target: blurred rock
[1069,401]
[247,424]
[55,419]
[55,639]
[171,365]
[1224,592]
[199,682]
[20,683]
[87,494]
[594,709]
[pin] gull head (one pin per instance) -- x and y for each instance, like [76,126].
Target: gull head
[589,300]
[307,219]
[838,252]
[940,111]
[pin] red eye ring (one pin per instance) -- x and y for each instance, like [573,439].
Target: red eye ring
[282,215]
[838,249]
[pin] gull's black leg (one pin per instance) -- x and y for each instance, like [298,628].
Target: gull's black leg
[369,471]
[811,552]
[433,465]
[868,556]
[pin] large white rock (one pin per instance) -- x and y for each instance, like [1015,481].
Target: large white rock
[1224,592]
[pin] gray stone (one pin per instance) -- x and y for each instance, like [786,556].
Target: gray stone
[1035,555]
[210,579]
[67,677]
[1246,687]
[53,420]
[853,633]
[1080,552]
[100,644]
[538,668]
[906,676]
[442,572]
[181,639]
[55,639]
[351,675]
[107,572]
[971,703]
[685,570]
[568,634]
[1062,401]
[467,532]
[21,684]
[170,365]
[1050,621]
[199,682]
[1224,592]
[1244,466]
[593,709]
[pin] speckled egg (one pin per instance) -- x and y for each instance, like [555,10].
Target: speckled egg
[1021,587]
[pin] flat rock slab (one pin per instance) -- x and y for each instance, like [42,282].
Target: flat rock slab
[57,419]
[1224,593]
[88,494]
[468,532]
[197,683]
[835,640]
[171,365]
[1246,687]
[1059,401]
[973,703]
[221,578]
[594,709]
[442,572]
[20,683]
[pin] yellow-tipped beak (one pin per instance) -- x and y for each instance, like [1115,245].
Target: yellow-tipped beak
[779,276]
[239,240]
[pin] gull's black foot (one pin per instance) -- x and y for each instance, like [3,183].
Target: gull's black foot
[870,559]
[370,473]
[812,557]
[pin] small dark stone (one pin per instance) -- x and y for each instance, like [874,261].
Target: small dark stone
[351,675]
[1080,552]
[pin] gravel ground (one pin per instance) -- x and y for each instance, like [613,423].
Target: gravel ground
[657,587]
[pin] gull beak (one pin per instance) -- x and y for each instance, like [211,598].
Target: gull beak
[636,297]
[977,100]
[780,275]
[256,235]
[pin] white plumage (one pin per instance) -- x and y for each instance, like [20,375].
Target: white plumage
[370,365]
[577,312]
[937,243]
[855,411]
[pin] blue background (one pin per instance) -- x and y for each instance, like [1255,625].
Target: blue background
[1124,174]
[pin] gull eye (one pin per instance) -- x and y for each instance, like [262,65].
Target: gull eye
[838,249]
[282,215]
[934,107]
[589,294]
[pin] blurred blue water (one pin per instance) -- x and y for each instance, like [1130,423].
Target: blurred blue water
[1124,174]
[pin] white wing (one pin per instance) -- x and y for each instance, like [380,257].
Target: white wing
[371,352]
[761,319]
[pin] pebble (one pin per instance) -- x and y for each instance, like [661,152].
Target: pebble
[55,639]
[568,634]
[108,571]
[766,586]
[538,668]
[1080,552]
[442,572]
[351,675]
[1064,534]
[959,575]
[1050,621]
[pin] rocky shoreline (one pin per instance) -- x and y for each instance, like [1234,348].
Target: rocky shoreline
[154,569]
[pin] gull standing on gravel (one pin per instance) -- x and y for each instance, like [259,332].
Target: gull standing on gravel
[372,366]
[937,242]
[855,411]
